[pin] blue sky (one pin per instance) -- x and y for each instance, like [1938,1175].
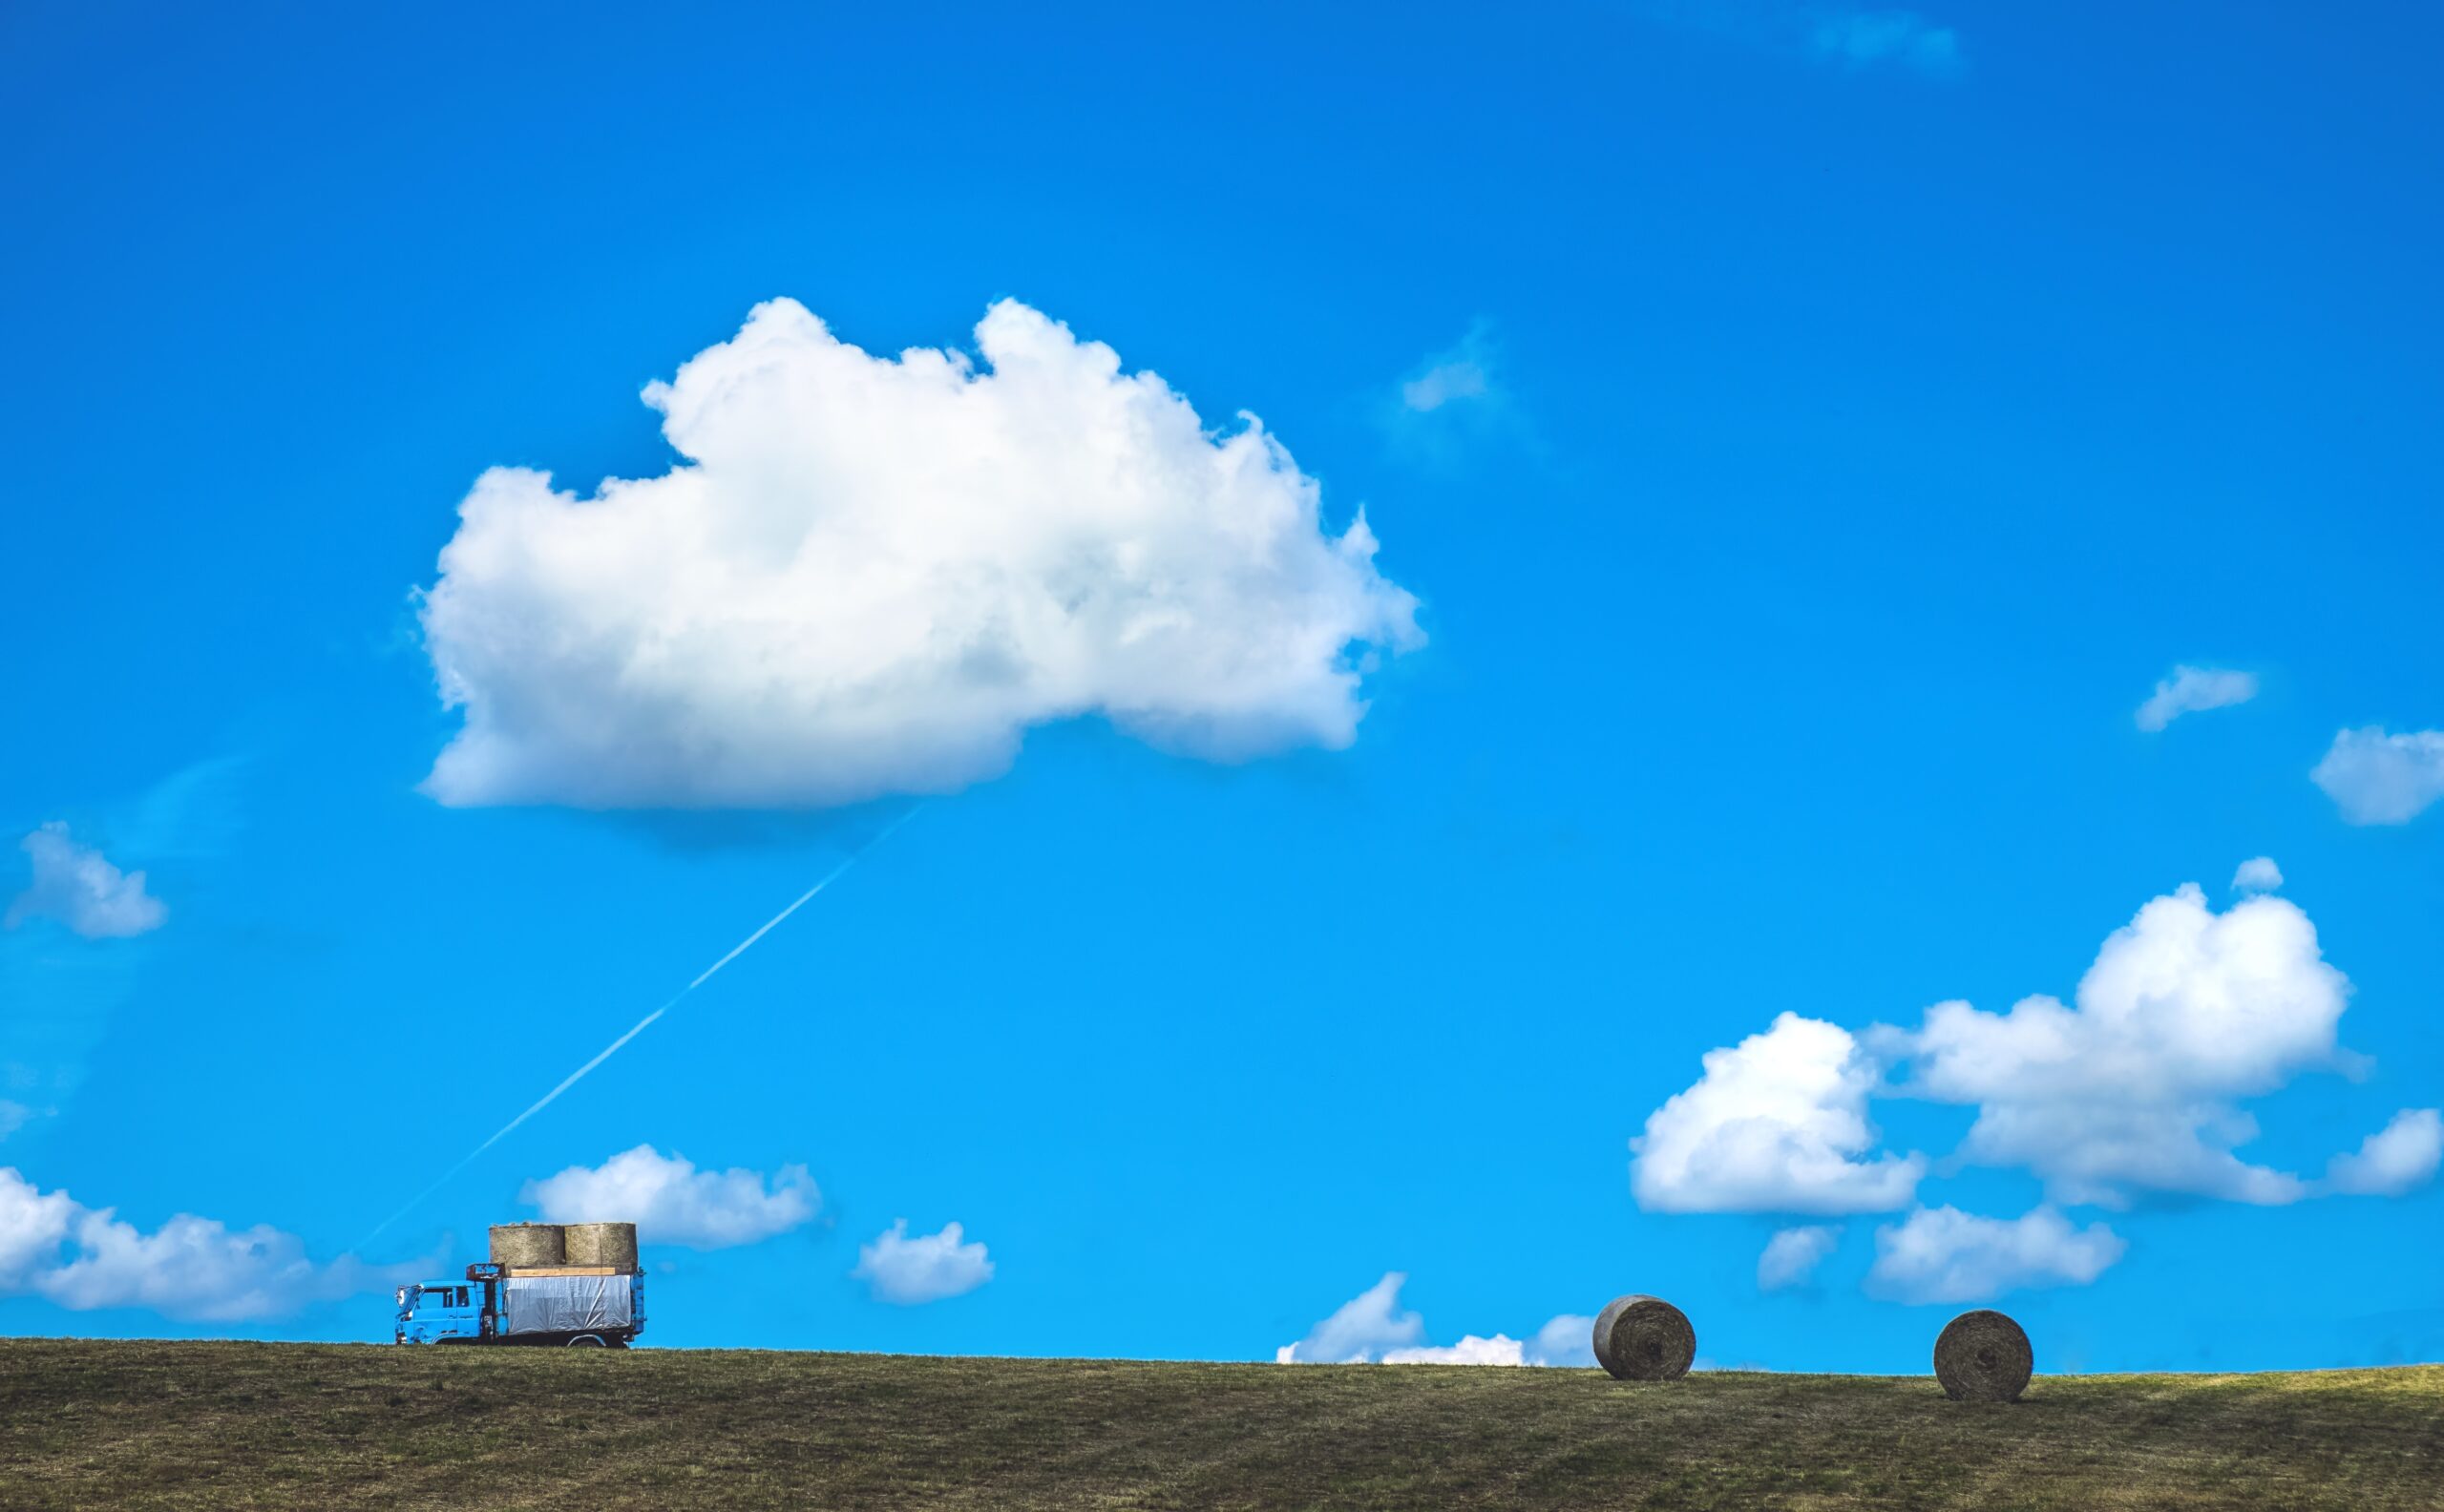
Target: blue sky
[1809,434]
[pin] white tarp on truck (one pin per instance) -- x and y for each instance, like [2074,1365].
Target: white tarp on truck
[566,1304]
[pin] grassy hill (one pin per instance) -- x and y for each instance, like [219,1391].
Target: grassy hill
[208,1425]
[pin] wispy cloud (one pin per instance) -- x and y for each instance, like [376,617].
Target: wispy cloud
[1460,373]
[1454,401]
[1846,37]
[76,885]
[1793,1254]
[1889,38]
[1941,1254]
[2191,689]
[75,941]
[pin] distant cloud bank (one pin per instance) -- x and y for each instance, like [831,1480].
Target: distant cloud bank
[194,1269]
[874,575]
[2191,690]
[75,886]
[1373,1328]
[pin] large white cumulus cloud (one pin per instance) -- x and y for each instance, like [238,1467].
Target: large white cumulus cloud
[873,575]
[673,1203]
[2130,1089]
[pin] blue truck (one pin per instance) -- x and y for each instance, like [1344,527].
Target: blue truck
[528,1293]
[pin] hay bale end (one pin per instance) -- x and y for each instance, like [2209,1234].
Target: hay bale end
[529,1244]
[601,1244]
[1983,1356]
[1644,1338]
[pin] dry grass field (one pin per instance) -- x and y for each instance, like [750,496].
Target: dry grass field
[227,1425]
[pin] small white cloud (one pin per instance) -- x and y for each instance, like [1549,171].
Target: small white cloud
[1793,1254]
[925,1268]
[1360,1329]
[1865,38]
[1941,1254]
[13,1116]
[874,575]
[1778,1124]
[2257,875]
[2191,689]
[2381,779]
[1567,1339]
[1471,1350]
[2398,1158]
[673,1203]
[73,885]
[85,1258]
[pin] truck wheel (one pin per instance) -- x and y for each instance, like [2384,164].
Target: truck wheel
[588,1341]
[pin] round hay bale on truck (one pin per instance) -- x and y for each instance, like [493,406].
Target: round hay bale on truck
[535,1297]
[1644,1338]
[1983,1356]
[529,1244]
[600,1244]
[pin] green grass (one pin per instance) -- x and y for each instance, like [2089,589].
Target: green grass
[215,1425]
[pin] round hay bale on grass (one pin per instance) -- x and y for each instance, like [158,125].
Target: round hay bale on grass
[1983,1356]
[528,1245]
[1644,1338]
[601,1244]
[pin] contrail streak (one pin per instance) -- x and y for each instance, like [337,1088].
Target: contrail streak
[640,1026]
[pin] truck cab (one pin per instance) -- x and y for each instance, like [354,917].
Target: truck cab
[441,1311]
